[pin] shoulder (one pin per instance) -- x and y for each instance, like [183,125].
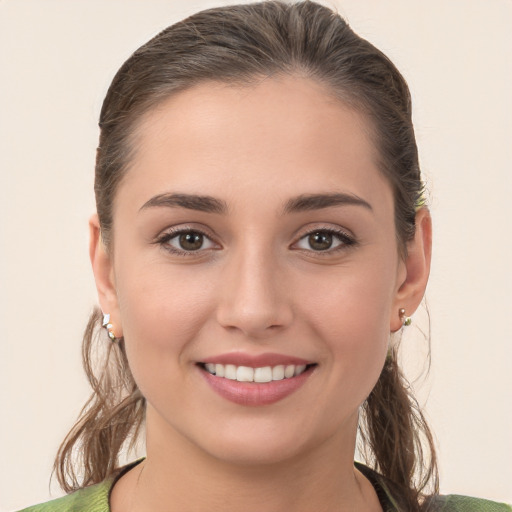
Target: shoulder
[457,503]
[89,499]
[390,498]
[94,498]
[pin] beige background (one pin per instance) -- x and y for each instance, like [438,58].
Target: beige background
[57,58]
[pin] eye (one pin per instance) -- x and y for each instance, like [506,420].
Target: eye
[324,240]
[186,241]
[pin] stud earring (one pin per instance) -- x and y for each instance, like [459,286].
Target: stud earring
[108,326]
[406,320]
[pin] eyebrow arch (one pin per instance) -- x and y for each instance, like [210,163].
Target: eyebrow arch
[307,202]
[206,204]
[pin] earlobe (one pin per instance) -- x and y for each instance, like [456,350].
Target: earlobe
[103,272]
[411,290]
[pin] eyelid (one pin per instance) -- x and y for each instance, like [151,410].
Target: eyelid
[344,236]
[346,239]
[170,233]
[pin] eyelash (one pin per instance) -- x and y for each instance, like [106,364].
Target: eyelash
[343,237]
[345,240]
[164,240]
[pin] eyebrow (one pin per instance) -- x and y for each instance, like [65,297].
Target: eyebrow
[318,201]
[209,204]
[206,204]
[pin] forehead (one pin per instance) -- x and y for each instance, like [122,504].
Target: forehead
[288,135]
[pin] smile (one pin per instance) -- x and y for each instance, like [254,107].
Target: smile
[255,380]
[261,375]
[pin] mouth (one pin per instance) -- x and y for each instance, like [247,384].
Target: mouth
[263,383]
[260,375]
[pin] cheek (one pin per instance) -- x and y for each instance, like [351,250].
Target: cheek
[351,315]
[162,312]
[351,305]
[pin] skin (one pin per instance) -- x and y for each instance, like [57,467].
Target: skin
[256,285]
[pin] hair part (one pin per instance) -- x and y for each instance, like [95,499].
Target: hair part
[240,45]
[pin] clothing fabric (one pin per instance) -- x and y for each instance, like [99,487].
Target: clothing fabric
[96,498]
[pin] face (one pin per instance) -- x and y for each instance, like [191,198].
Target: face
[254,236]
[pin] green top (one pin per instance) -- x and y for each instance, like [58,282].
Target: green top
[95,498]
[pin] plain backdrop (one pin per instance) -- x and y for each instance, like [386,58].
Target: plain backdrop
[57,58]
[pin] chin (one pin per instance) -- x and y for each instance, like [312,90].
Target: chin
[243,452]
[262,442]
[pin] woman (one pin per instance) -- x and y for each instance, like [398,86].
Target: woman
[261,230]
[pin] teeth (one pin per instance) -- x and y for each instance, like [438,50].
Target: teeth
[219,370]
[248,374]
[289,371]
[230,371]
[278,372]
[244,374]
[263,374]
[299,369]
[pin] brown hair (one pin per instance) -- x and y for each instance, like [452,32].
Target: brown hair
[239,45]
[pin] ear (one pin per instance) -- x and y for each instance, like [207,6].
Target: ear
[104,275]
[413,281]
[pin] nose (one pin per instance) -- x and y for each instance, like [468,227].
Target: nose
[254,299]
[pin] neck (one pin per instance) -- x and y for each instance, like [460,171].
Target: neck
[177,476]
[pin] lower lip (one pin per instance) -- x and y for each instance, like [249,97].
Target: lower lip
[255,393]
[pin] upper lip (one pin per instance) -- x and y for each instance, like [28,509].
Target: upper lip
[255,360]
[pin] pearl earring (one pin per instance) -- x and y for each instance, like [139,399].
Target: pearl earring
[406,320]
[108,326]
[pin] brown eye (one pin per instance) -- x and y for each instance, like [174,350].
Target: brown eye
[320,241]
[186,241]
[325,240]
[191,241]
